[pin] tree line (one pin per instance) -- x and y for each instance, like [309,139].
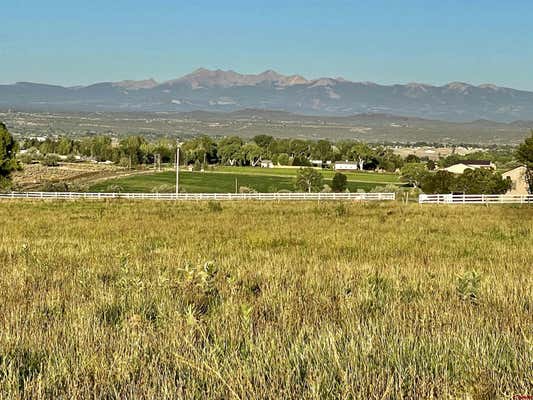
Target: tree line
[232,150]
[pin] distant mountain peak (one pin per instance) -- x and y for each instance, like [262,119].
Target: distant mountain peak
[458,86]
[134,85]
[206,78]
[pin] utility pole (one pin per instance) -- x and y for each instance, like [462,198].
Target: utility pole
[177,166]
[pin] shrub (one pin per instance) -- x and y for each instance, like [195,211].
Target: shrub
[246,189]
[339,182]
[214,206]
[468,286]
[50,160]
[114,189]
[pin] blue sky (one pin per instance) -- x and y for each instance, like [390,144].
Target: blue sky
[386,41]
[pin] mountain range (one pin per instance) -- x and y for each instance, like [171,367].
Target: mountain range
[226,91]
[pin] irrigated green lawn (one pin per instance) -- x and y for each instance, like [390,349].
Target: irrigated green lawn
[213,182]
[352,176]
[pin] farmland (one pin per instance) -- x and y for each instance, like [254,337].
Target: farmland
[225,179]
[254,300]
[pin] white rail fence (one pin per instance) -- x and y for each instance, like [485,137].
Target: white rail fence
[200,196]
[475,199]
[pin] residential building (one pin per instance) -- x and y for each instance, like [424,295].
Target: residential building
[518,179]
[469,164]
[346,166]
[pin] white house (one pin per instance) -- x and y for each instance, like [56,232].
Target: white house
[316,163]
[469,164]
[267,164]
[518,179]
[346,166]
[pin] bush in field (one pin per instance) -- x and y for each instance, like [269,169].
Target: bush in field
[468,286]
[164,189]
[386,189]
[246,189]
[50,160]
[214,206]
[63,187]
[114,189]
[339,182]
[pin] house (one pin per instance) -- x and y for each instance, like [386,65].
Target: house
[316,163]
[469,164]
[267,164]
[346,166]
[518,179]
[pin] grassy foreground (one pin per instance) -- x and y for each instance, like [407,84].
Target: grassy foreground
[264,300]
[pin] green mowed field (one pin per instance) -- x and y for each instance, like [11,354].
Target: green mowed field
[211,182]
[372,177]
[264,300]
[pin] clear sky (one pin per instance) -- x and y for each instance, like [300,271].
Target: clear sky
[386,41]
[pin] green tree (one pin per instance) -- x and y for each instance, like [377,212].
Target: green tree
[309,180]
[524,154]
[263,141]
[132,147]
[339,182]
[414,173]
[481,181]
[439,182]
[252,153]
[230,150]
[361,153]
[412,158]
[322,150]
[283,159]
[65,146]
[8,162]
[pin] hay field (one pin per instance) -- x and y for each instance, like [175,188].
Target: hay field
[265,300]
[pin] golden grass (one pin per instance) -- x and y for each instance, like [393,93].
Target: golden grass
[264,300]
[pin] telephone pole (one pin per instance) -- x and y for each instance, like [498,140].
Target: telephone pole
[177,166]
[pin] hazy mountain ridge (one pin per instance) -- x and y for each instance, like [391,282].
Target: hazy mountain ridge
[228,91]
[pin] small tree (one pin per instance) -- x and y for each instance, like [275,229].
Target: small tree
[338,184]
[439,182]
[414,173]
[309,180]
[8,161]
[412,158]
[524,154]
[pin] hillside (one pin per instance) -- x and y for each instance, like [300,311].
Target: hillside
[251,122]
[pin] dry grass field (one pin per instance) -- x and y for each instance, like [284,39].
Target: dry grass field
[265,301]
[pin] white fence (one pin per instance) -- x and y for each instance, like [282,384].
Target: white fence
[201,196]
[475,199]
